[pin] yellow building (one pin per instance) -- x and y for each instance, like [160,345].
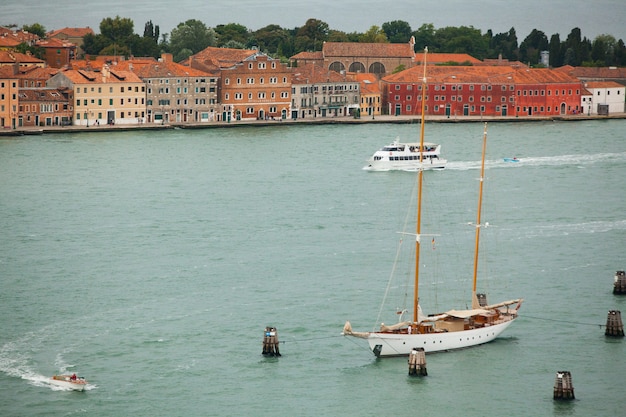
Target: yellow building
[104,96]
[8,103]
[371,101]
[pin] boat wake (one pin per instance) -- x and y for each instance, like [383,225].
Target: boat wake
[16,362]
[557,160]
[565,229]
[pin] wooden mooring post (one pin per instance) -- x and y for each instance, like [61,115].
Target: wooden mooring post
[614,326]
[417,362]
[619,286]
[563,388]
[270,342]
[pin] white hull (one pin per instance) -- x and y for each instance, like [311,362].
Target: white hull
[78,385]
[396,344]
[386,165]
[406,157]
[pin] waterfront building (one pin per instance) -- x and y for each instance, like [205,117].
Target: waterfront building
[371,100]
[9,103]
[252,85]
[319,92]
[104,96]
[605,97]
[72,35]
[58,53]
[455,91]
[42,106]
[175,93]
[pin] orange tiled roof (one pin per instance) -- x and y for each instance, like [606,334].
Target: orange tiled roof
[382,50]
[311,73]
[8,57]
[602,84]
[41,94]
[18,35]
[369,82]
[54,43]
[71,32]
[480,74]
[442,58]
[151,68]
[8,42]
[213,59]
[88,77]
[27,72]
[309,56]
[542,76]
[596,72]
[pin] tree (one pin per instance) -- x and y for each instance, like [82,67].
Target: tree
[504,44]
[192,35]
[311,36]
[151,31]
[339,36]
[556,55]
[573,48]
[36,29]
[271,39]
[531,47]
[232,32]
[425,37]
[143,46]
[374,35]
[117,29]
[93,44]
[603,50]
[462,39]
[397,31]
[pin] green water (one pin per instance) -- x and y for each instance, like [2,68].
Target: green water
[151,262]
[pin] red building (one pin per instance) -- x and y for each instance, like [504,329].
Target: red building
[482,91]
[45,107]
[58,53]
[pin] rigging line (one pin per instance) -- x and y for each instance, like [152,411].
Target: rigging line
[307,340]
[392,275]
[563,321]
[360,345]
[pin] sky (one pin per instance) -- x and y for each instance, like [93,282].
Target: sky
[593,17]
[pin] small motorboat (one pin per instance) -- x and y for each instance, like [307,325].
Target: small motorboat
[514,159]
[73,382]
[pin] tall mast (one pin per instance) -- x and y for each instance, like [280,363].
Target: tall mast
[418,226]
[475,303]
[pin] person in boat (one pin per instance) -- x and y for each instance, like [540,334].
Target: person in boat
[73,377]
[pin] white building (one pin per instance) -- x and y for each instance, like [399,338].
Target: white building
[605,97]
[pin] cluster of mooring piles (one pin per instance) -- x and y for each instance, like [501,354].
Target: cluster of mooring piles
[619,287]
[270,342]
[417,362]
[563,388]
[614,326]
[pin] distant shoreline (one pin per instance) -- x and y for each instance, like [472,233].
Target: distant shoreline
[26,131]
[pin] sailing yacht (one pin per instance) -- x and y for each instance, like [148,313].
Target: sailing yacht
[453,329]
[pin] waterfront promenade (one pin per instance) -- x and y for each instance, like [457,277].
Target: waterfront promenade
[20,131]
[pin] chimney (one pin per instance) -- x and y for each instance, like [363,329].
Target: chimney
[167,57]
[105,73]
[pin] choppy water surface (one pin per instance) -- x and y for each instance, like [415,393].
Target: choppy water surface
[150,262]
